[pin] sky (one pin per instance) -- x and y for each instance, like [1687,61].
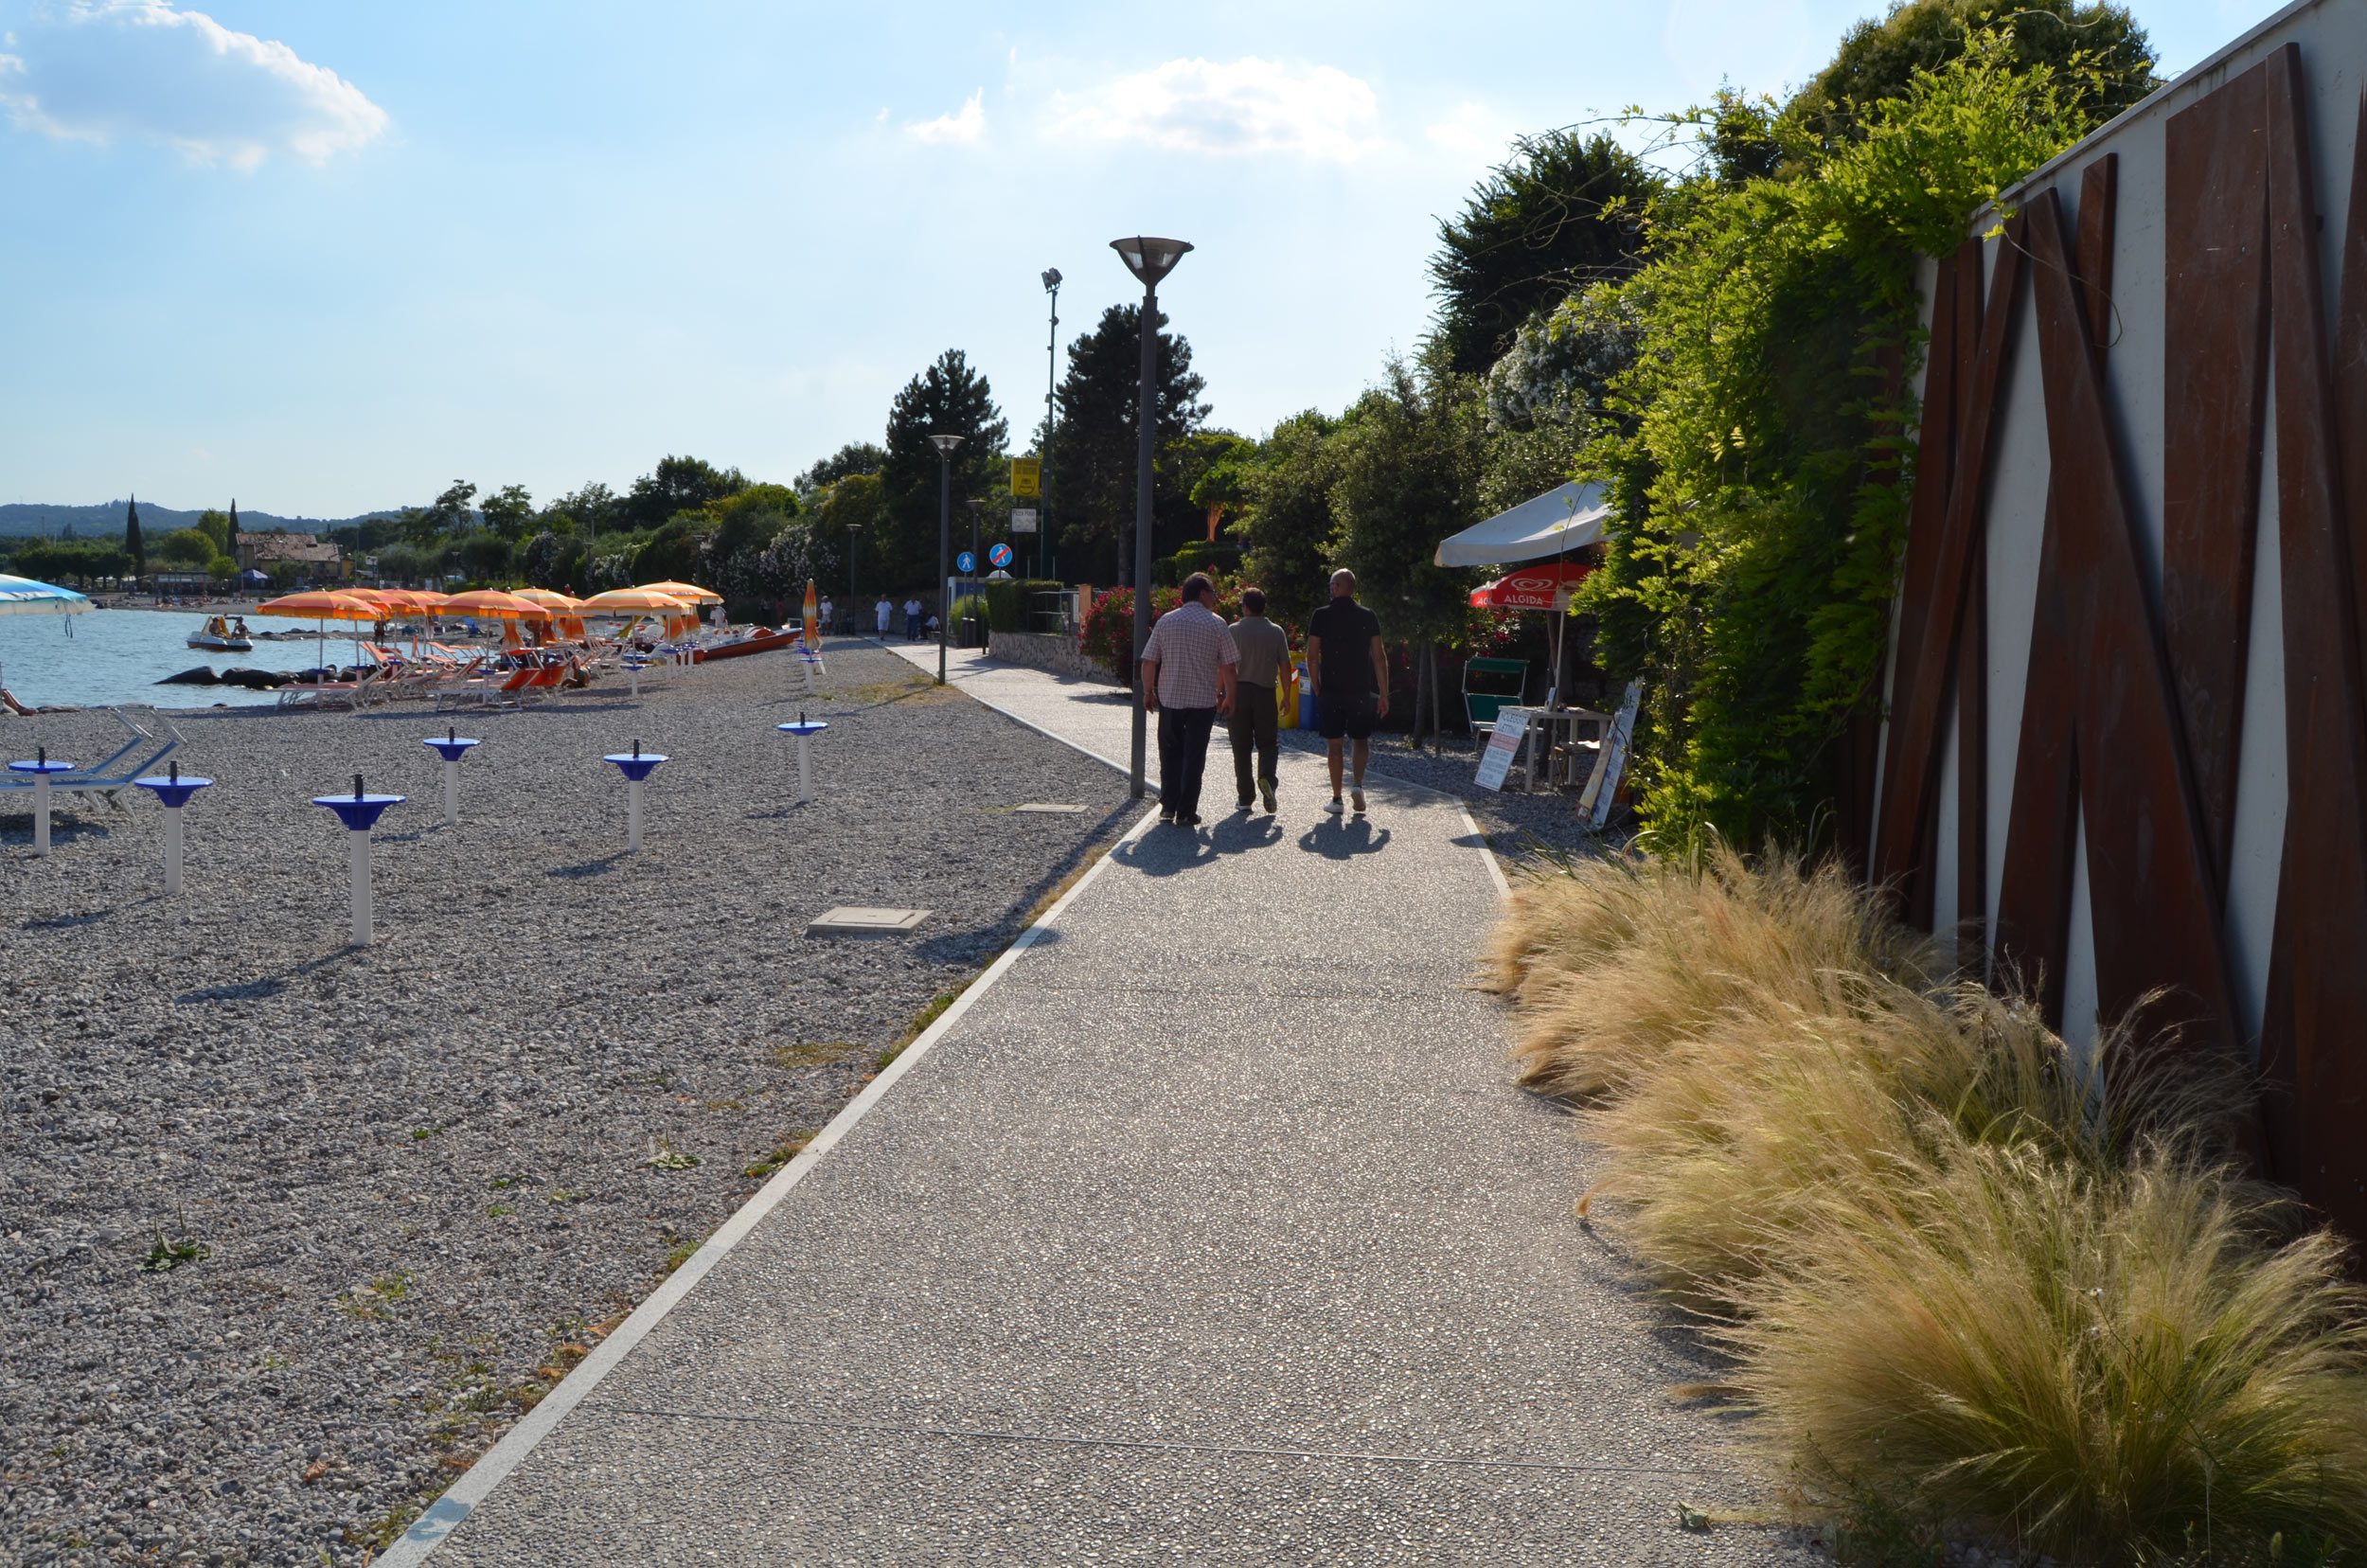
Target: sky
[325,258]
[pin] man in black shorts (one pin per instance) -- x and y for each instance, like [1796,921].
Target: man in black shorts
[1349,672]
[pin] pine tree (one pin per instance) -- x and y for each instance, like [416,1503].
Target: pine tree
[133,546]
[1093,470]
[949,399]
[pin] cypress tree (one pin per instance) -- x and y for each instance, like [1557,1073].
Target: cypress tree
[133,546]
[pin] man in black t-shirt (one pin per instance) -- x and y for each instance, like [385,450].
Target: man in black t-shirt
[1349,672]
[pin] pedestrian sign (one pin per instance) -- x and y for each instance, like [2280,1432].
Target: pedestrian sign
[1000,556]
[1026,476]
[965,563]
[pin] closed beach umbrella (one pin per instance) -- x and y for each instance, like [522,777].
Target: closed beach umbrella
[25,597]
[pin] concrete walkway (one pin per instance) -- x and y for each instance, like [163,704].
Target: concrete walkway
[1210,1232]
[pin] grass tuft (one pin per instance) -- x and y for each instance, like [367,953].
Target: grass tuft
[1972,1281]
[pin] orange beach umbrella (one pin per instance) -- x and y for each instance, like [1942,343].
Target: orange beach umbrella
[493,604]
[689,592]
[633,601]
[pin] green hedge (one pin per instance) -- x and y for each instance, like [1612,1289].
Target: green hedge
[1007,603]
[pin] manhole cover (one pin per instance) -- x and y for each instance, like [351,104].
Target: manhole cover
[848,920]
[1049,809]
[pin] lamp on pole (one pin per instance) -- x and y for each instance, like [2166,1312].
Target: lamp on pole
[1051,379]
[1149,260]
[945,445]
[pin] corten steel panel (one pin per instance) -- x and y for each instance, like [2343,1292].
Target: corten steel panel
[1931,622]
[2157,916]
[2034,904]
[2034,895]
[1972,667]
[2215,411]
[1936,441]
[2317,1001]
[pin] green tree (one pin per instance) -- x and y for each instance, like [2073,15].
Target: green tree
[134,543]
[454,510]
[949,398]
[216,527]
[484,555]
[1409,467]
[854,458]
[187,548]
[1091,481]
[508,511]
[1289,526]
[1560,214]
[678,484]
[591,511]
[2101,55]
[855,501]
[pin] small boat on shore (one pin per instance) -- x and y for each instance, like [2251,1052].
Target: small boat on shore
[220,635]
[756,641]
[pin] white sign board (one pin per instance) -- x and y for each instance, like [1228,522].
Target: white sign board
[1022,520]
[1511,725]
[1610,760]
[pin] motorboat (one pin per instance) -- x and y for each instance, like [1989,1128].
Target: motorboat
[220,635]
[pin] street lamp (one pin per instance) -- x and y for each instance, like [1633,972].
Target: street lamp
[1149,260]
[945,445]
[1051,379]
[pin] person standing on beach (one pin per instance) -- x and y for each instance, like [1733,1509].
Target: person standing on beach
[1265,651]
[883,612]
[1348,670]
[1188,681]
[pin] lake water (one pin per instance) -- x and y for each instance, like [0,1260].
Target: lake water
[116,656]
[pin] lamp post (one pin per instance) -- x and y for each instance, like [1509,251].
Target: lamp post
[1051,380]
[1149,260]
[853,529]
[945,445]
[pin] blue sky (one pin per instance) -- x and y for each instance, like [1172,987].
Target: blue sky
[325,257]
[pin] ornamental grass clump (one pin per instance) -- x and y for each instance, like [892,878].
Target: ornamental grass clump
[1964,1269]
[1612,961]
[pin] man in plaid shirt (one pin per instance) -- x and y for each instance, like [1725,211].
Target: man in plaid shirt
[1188,681]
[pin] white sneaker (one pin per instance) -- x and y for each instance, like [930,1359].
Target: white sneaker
[1334,809]
[1358,796]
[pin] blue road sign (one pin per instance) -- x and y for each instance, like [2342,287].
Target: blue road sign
[965,563]
[1000,556]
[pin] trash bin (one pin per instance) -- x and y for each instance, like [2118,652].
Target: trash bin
[1311,707]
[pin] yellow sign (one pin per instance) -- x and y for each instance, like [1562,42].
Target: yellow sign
[1026,476]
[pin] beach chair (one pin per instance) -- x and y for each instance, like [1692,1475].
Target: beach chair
[116,772]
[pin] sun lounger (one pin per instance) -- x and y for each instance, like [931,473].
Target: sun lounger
[117,771]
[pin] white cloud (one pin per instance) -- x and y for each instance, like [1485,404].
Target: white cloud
[104,70]
[965,126]
[1476,128]
[1247,105]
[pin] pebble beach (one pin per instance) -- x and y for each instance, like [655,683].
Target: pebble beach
[291,1231]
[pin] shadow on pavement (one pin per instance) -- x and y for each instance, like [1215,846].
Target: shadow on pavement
[1345,840]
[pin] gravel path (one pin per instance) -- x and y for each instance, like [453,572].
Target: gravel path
[289,1232]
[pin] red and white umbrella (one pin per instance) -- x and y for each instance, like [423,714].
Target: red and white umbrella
[1543,586]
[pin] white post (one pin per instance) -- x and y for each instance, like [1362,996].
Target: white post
[810,687]
[41,813]
[632,816]
[637,682]
[360,840]
[804,769]
[451,792]
[173,851]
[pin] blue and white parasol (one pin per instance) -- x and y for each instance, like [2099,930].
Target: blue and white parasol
[24,597]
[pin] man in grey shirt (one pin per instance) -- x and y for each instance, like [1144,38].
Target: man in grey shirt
[1265,653]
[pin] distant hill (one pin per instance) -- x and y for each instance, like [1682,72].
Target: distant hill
[27,519]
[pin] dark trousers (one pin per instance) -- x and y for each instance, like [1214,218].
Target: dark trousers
[1183,757]
[1254,725]
[912,628]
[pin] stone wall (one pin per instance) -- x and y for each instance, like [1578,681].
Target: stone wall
[1053,652]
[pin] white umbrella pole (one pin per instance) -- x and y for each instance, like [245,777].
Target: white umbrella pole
[804,769]
[359,840]
[632,816]
[452,794]
[173,851]
[41,813]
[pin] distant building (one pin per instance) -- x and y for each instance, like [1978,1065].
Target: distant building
[318,561]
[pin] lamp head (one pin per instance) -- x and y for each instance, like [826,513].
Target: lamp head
[945,444]
[1150,260]
[1051,278]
